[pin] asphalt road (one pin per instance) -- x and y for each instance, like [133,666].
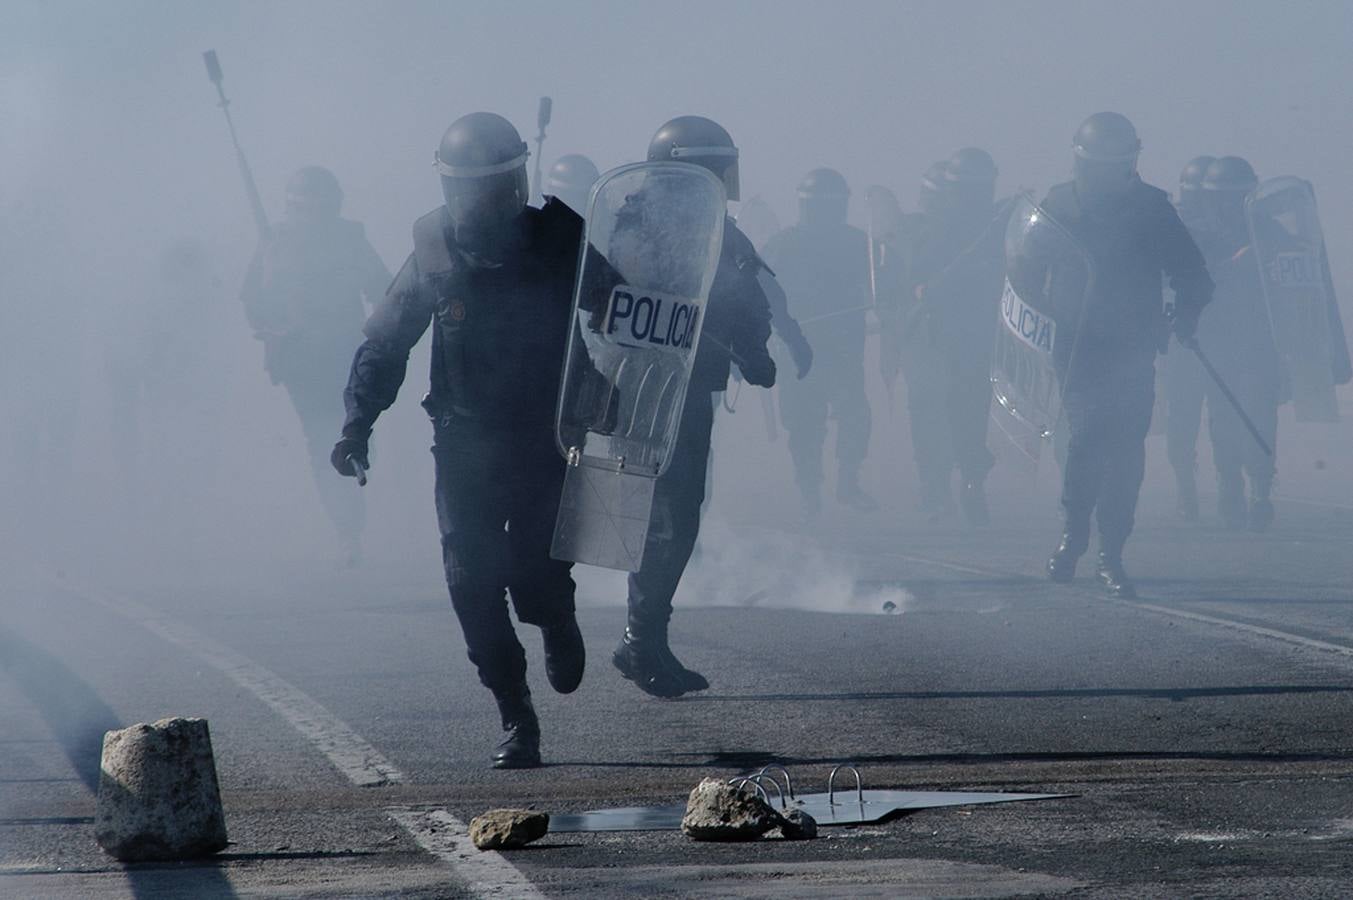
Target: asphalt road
[1206,729]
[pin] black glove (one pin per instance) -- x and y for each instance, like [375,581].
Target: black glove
[1185,323]
[759,371]
[349,447]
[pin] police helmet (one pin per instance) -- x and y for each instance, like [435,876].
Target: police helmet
[1230,173]
[704,142]
[313,193]
[1191,179]
[482,163]
[971,174]
[570,179]
[933,187]
[1106,147]
[823,197]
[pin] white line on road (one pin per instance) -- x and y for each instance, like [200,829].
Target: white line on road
[446,837]
[438,832]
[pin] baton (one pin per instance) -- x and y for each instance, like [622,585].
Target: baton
[359,469]
[1192,344]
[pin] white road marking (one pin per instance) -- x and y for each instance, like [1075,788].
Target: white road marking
[488,873]
[1259,630]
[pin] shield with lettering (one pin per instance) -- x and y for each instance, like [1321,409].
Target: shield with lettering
[1048,278]
[1290,248]
[653,238]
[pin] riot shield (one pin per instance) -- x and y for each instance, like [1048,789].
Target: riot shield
[1048,281]
[653,237]
[1290,249]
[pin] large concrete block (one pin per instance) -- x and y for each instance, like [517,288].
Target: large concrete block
[158,795]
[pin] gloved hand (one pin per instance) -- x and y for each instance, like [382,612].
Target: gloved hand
[759,371]
[802,354]
[349,447]
[1185,323]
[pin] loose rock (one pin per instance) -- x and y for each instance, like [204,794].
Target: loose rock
[719,812]
[158,794]
[507,829]
[798,826]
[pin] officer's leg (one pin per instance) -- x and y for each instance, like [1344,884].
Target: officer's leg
[854,422]
[1228,435]
[1082,475]
[1261,402]
[803,409]
[1127,424]
[472,508]
[930,431]
[541,587]
[1184,391]
[969,413]
[319,406]
[644,655]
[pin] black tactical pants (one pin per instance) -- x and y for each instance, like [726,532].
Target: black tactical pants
[949,407]
[834,387]
[497,497]
[968,398]
[1234,449]
[1106,455]
[1185,388]
[675,522]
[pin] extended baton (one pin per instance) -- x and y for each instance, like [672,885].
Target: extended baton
[1192,344]
[359,469]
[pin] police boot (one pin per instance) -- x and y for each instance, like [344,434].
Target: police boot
[973,500]
[1261,506]
[1062,564]
[1114,578]
[647,661]
[521,748]
[1231,504]
[849,492]
[565,655]
[1187,500]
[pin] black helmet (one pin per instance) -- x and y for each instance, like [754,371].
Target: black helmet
[695,139]
[570,178]
[1106,148]
[1230,173]
[1191,179]
[1107,137]
[482,163]
[823,198]
[933,187]
[971,165]
[971,175]
[313,193]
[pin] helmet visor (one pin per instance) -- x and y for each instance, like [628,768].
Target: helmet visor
[485,203]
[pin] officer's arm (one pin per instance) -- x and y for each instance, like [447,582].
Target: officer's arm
[1183,263]
[753,329]
[378,368]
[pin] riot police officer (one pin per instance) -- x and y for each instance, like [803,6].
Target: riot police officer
[737,326]
[1239,340]
[1106,363]
[303,297]
[570,179]
[823,265]
[495,279]
[1184,379]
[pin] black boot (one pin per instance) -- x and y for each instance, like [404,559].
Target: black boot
[521,748]
[1261,506]
[650,664]
[973,500]
[565,655]
[1231,502]
[1062,564]
[1114,578]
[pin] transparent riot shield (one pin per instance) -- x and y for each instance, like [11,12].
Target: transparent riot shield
[1290,246]
[1048,281]
[653,237]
